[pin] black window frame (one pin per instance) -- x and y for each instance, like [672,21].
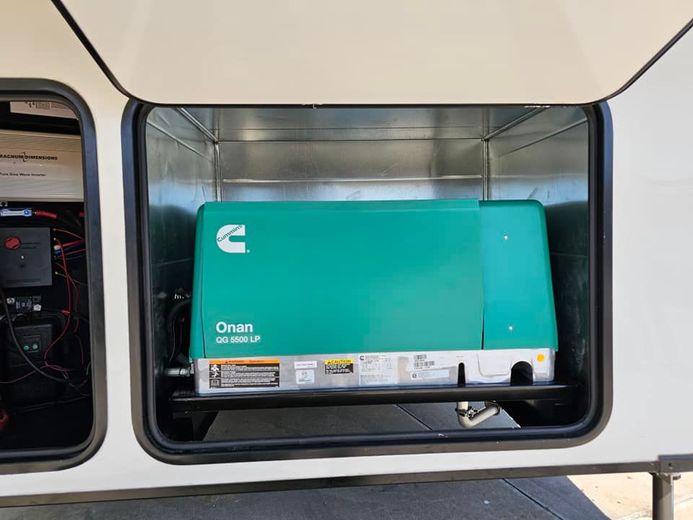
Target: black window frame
[53,459]
[598,387]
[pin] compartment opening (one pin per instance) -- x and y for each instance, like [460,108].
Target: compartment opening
[522,374]
[46,393]
[288,159]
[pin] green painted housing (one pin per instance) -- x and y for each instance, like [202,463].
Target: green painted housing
[296,278]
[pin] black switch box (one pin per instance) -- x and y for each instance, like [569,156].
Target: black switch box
[25,257]
[28,387]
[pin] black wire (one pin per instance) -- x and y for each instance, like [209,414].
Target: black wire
[13,336]
[59,314]
[47,404]
[75,221]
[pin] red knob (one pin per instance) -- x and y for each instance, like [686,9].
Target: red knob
[12,243]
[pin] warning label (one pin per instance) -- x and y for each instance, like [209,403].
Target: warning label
[339,366]
[243,373]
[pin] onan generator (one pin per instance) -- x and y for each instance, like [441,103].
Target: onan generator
[295,295]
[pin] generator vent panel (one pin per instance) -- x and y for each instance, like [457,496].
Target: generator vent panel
[25,257]
[518,295]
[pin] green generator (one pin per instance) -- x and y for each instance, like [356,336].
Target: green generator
[298,295]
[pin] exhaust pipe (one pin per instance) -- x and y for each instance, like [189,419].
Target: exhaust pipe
[470,417]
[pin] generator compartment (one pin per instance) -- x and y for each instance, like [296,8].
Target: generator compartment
[299,266]
[318,294]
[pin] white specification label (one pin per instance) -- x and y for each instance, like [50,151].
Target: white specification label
[305,377]
[40,166]
[42,108]
[422,361]
[424,375]
[430,360]
[377,369]
[305,364]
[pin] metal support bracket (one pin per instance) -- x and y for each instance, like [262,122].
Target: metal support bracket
[663,495]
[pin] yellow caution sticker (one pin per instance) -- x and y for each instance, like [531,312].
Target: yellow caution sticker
[339,366]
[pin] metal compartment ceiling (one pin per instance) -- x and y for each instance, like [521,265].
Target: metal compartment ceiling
[362,52]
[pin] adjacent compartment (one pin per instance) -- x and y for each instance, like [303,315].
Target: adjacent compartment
[49,279]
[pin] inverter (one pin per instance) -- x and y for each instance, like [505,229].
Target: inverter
[294,295]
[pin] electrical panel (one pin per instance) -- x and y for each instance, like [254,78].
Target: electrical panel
[42,273]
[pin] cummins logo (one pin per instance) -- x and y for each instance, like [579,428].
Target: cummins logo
[225,237]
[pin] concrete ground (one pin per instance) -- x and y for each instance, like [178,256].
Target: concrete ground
[627,496]
[624,496]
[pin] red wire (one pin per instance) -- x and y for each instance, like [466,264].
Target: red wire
[69,304]
[66,256]
[48,214]
[72,306]
[74,242]
[71,281]
[61,230]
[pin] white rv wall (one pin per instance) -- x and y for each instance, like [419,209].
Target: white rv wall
[652,283]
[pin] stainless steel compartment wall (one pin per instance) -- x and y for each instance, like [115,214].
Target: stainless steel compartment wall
[357,190]
[351,170]
[350,153]
[306,123]
[546,157]
[181,176]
